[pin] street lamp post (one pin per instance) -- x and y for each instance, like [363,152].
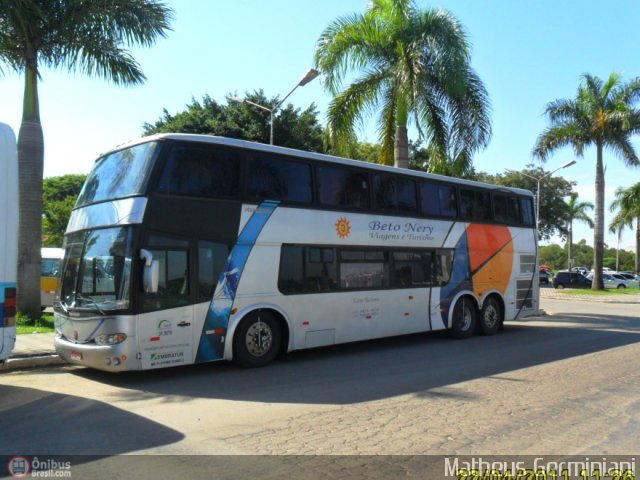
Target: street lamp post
[539,181]
[310,75]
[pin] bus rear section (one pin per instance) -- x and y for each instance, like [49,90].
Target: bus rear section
[8,239]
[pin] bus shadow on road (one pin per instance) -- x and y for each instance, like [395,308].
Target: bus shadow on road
[378,369]
[36,422]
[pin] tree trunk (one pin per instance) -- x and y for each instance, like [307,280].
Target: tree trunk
[30,169]
[401,152]
[637,244]
[570,245]
[598,235]
[618,250]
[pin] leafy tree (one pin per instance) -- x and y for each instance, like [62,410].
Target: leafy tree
[85,36]
[413,65]
[293,128]
[553,209]
[576,210]
[602,114]
[552,255]
[627,201]
[59,197]
[430,159]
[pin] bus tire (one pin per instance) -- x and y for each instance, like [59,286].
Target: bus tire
[256,341]
[463,318]
[490,317]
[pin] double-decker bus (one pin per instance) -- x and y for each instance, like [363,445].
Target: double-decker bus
[185,249]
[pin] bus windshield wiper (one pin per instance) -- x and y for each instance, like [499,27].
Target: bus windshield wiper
[86,298]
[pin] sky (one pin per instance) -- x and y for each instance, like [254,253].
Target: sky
[527,53]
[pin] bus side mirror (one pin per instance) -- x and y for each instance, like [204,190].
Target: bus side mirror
[150,273]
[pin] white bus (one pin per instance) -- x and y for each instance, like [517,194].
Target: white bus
[8,239]
[185,249]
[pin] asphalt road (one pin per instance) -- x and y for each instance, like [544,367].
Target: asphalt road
[567,383]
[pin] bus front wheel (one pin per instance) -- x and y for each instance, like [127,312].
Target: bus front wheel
[256,341]
[463,321]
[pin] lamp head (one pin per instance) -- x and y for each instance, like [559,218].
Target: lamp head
[310,75]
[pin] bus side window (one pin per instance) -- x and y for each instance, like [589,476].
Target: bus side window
[339,187]
[271,178]
[394,193]
[526,211]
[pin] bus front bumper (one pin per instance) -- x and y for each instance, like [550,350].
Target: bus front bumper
[110,358]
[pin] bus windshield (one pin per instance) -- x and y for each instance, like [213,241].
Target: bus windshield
[97,269]
[120,174]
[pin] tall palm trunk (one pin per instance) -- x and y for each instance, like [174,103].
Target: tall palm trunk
[598,235]
[401,147]
[618,250]
[570,244]
[30,169]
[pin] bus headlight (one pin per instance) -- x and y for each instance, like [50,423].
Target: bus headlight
[110,339]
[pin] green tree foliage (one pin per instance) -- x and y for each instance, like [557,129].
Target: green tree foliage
[293,128]
[59,197]
[552,255]
[89,37]
[556,256]
[576,210]
[430,159]
[627,202]
[553,209]
[409,65]
[603,114]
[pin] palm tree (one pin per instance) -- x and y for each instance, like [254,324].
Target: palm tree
[576,211]
[627,202]
[603,114]
[78,36]
[413,65]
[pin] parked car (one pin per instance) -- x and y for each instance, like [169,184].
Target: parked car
[612,280]
[633,279]
[544,277]
[583,270]
[566,279]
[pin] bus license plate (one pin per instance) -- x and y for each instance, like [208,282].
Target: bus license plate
[76,356]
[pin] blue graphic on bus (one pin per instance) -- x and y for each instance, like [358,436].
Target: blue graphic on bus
[460,278]
[211,345]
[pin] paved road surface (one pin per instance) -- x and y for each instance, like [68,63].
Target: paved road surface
[568,383]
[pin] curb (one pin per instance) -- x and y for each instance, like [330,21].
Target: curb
[31,362]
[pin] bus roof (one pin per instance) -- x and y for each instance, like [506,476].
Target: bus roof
[249,145]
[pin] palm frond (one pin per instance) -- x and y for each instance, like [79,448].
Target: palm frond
[623,148]
[559,136]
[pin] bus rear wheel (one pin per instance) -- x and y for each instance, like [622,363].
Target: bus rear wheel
[490,317]
[256,341]
[463,319]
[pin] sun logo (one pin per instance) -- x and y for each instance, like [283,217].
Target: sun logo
[343,227]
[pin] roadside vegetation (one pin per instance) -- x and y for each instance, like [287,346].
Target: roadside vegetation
[27,325]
